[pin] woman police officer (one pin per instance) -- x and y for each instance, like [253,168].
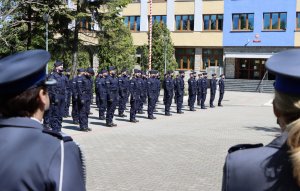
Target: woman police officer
[275,166]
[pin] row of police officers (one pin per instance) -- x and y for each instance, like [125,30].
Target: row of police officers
[115,91]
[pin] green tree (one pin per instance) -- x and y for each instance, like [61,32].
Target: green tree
[115,41]
[162,50]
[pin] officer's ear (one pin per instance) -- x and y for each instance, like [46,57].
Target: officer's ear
[276,111]
[44,98]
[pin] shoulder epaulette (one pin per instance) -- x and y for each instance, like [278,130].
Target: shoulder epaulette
[244,146]
[61,136]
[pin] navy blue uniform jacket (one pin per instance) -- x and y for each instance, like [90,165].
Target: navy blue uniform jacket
[265,168]
[30,159]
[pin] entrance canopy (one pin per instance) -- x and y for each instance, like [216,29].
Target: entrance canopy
[248,55]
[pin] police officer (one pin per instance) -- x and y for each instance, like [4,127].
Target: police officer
[102,92]
[168,86]
[192,91]
[75,112]
[276,165]
[68,92]
[33,158]
[199,88]
[203,90]
[98,77]
[221,89]
[57,95]
[152,93]
[123,92]
[141,86]
[89,74]
[134,96]
[112,89]
[213,89]
[180,91]
[83,92]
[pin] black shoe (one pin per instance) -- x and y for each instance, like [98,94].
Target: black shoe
[122,115]
[212,106]
[192,110]
[220,105]
[109,124]
[141,112]
[134,120]
[84,129]
[89,129]
[203,108]
[151,117]
[180,112]
[168,114]
[101,117]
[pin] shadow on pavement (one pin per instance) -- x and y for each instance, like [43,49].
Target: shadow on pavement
[266,129]
[75,128]
[68,121]
[99,123]
[122,119]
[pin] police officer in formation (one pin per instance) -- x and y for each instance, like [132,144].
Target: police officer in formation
[192,91]
[57,95]
[68,92]
[113,91]
[221,89]
[213,89]
[168,86]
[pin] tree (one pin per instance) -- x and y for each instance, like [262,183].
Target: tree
[162,50]
[115,41]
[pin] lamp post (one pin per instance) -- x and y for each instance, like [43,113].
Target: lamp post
[46,18]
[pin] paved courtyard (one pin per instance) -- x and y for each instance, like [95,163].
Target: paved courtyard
[181,152]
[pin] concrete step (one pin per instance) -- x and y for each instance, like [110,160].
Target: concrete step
[249,85]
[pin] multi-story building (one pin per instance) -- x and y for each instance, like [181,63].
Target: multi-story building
[231,36]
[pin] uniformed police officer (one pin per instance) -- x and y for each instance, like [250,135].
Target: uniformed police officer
[179,88]
[199,88]
[168,86]
[134,96]
[213,89]
[276,165]
[112,89]
[192,91]
[98,77]
[89,75]
[152,93]
[68,92]
[123,92]
[102,92]
[33,159]
[203,90]
[83,92]
[57,95]
[75,112]
[221,89]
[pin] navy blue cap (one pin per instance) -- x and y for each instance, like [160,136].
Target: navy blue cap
[286,66]
[68,70]
[90,70]
[204,73]
[152,72]
[58,63]
[181,72]
[104,71]
[23,70]
[213,74]
[124,70]
[81,70]
[111,68]
[136,71]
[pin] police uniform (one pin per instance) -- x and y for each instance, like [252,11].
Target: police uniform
[143,92]
[68,93]
[257,167]
[213,89]
[134,97]
[112,88]
[199,89]
[75,112]
[179,88]
[203,91]
[152,94]
[57,95]
[102,92]
[168,86]
[192,92]
[32,158]
[221,90]
[123,93]
[91,73]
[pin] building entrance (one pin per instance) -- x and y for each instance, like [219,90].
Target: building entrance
[250,68]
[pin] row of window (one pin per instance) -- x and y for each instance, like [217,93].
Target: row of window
[214,22]
[185,58]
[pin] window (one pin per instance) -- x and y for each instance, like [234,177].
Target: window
[185,58]
[133,22]
[86,24]
[212,57]
[298,21]
[244,21]
[213,22]
[275,21]
[162,19]
[184,22]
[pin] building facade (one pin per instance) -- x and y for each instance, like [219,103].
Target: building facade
[234,37]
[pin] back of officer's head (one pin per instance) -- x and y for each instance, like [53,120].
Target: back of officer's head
[23,89]
[286,66]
